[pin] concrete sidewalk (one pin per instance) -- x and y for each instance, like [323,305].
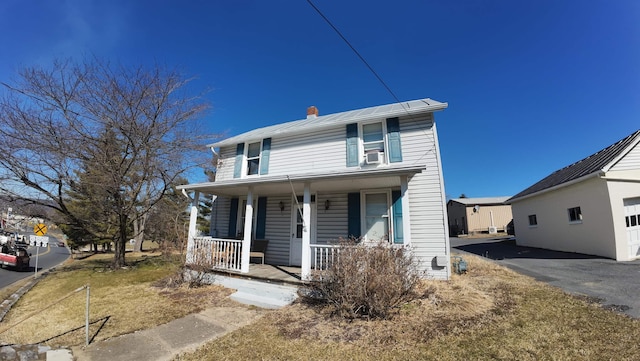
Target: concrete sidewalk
[167,341]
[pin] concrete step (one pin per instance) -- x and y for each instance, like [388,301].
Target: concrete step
[258,293]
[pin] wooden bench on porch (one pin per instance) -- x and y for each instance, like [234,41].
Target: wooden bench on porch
[258,249]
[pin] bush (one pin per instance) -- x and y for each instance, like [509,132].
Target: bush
[366,280]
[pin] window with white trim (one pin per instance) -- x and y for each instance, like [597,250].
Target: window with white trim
[373,139]
[253,158]
[575,215]
[533,220]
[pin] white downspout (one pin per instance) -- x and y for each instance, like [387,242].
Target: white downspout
[193,220]
[246,241]
[305,263]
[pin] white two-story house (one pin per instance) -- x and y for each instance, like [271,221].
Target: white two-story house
[373,174]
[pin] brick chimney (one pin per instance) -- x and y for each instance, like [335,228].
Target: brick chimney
[312,112]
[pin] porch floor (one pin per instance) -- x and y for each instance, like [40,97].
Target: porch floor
[269,273]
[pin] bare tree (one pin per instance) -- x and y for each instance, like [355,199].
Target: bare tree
[130,131]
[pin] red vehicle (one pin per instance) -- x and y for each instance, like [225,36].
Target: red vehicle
[16,257]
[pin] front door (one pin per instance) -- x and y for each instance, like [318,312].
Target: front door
[632,220]
[297,225]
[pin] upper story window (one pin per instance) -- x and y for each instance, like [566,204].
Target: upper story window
[373,143]
[373,139]
[575,215]
[253,158]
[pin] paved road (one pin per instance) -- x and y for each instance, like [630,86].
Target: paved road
[47,257]
[615,284]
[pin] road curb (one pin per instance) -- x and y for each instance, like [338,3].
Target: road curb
[6,305]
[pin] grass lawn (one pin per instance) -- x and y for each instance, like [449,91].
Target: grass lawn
[122,301]
[491,313]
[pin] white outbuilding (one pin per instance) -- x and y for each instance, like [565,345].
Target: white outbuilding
[591,206]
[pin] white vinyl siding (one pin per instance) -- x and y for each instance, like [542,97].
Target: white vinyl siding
[278,224]
[418,144]
[427,221]
[220,224]
[630,161]
[324,150]
[226,162]
[332,223]
[427,202]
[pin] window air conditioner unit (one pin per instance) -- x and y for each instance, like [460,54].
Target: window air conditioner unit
[373,158]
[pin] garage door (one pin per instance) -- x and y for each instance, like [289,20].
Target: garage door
[632,219]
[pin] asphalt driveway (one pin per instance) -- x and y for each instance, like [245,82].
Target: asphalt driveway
[616,285]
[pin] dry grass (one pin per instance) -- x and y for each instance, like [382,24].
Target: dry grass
[122,301]
[490,313]
[6,292]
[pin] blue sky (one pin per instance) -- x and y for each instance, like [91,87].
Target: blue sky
[532,86]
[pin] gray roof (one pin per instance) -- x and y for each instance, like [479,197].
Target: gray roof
[598,162]
[480,201]
[326,121]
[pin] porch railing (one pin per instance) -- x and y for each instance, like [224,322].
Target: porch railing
[217,253]
[323,255]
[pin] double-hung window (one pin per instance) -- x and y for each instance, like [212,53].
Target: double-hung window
[253,158]
[373,143]
[373,139]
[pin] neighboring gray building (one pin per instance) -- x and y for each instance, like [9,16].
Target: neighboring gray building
[591,206]
[373,173]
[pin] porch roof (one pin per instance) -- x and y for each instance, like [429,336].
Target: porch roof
[323,182]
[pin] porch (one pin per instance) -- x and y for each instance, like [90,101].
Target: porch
[232,257]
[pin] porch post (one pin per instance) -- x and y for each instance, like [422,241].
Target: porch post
[406,214]
[193,220]
[305,264]
[246,241]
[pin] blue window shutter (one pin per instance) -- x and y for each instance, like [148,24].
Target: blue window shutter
[233,217]
[261,217]
[393,136]
[237,168]
[352,145]
[353,211]
[398,236]
[264,160]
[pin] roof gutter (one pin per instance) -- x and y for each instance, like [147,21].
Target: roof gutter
[599,173]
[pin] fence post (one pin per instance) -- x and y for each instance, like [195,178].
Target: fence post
[86,325]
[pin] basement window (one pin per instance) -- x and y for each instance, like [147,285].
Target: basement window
[575,215]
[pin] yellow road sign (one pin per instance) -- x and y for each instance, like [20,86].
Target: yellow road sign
[40,229]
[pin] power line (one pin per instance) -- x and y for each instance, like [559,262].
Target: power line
[356,52]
